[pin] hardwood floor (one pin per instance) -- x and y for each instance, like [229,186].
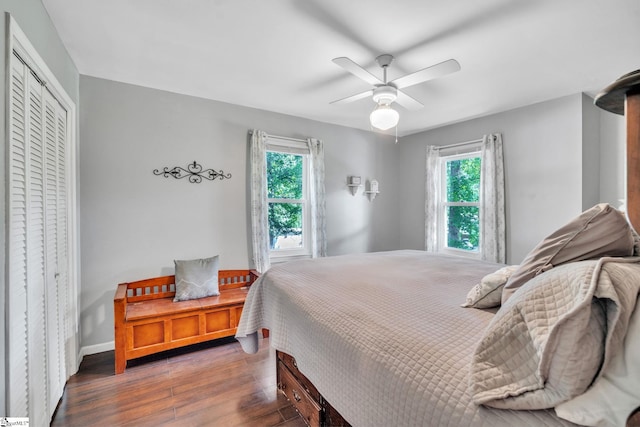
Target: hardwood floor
[210,384]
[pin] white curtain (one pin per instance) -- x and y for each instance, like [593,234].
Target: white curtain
[492,211]
[259,206]
[492,216]
[432,195]
[317,198]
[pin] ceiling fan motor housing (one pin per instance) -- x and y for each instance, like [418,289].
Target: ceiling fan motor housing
[385,94]
[384,60]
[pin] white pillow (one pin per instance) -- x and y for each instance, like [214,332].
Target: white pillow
[488,293]
[614,396]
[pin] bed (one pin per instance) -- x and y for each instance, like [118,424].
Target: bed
[381,339]
[382,336]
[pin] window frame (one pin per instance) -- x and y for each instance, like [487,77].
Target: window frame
[286,146]
[443,204]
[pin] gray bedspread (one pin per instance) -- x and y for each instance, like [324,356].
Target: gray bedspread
[382,336]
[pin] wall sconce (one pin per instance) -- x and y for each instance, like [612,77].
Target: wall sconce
[354,182]
[373,190]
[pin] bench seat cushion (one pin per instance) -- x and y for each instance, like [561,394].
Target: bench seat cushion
[166,306]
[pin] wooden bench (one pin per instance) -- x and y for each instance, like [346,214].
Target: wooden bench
[147,320]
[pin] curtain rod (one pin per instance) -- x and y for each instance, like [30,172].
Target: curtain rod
[459,144]
[283,137]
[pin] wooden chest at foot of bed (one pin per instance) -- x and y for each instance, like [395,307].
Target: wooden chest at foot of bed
[313,408]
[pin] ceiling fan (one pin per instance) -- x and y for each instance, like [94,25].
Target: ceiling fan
[384,93]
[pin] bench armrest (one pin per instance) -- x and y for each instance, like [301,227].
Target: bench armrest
[119,313]
[121,293]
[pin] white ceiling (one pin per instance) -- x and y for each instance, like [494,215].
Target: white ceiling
[276,54]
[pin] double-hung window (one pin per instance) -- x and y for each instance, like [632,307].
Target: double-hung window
[459,216]
[464,200]
[288,198]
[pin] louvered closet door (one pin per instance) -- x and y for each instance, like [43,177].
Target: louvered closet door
[55,239]
[17,378]
[37,248]
[36,320]
[64,312]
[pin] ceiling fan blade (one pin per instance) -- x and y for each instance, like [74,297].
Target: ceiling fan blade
[357,70]
[353,97]
[429,73]
[408,102]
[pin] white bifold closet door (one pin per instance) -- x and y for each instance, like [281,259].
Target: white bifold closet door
[38,249]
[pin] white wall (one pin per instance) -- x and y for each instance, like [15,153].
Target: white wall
[590,153]
[33,19]
[612,158]
[543,170]
[134,224]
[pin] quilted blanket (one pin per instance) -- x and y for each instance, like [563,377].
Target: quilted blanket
[382,336]
[552,338]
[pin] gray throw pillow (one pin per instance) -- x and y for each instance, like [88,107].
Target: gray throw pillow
[597,232]
[196,278]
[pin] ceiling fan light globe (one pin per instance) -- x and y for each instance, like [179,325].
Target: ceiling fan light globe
[384,117]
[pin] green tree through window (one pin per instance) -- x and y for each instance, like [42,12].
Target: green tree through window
[462,205]
[285,194]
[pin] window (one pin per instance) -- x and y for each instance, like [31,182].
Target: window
[460,204]
[287,196]
[287,199]
[464,200]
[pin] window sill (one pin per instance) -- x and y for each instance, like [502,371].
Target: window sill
[461,252]
[285,258]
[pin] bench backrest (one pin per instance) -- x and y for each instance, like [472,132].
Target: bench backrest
[164,286]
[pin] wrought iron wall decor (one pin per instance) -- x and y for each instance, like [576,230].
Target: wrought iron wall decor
[194,172]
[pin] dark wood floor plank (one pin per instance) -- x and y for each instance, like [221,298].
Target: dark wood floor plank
[160,418]
[210,384]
